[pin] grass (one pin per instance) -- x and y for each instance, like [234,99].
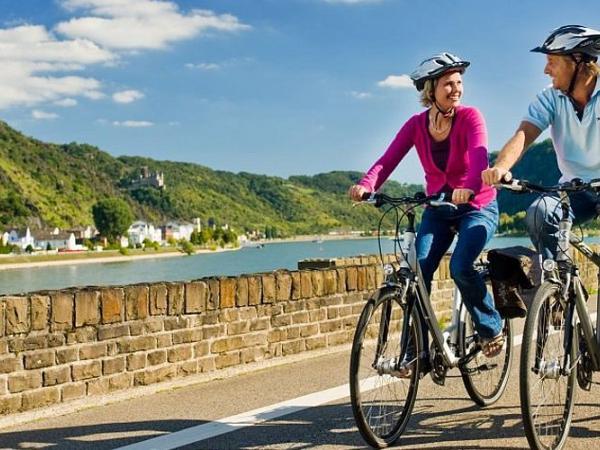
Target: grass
[16,259]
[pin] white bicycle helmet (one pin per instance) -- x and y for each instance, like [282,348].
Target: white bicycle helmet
[570,39]
[436,66]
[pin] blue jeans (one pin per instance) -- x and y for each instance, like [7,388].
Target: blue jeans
[545,212]
[475,228]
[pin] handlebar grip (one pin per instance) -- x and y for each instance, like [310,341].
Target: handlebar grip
[366,196]
[506,178]
[595,183]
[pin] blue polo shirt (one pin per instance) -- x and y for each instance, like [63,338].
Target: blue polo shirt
[576,142]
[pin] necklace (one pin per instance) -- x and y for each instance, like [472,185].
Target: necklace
[434,129]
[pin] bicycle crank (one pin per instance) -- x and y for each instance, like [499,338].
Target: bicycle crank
[438,367]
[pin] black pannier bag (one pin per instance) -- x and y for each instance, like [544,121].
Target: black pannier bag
[512,269]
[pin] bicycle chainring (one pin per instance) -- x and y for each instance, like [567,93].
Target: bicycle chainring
[438,367]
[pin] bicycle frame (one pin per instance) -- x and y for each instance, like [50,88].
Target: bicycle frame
[592,338]
[569,280]
[412,282]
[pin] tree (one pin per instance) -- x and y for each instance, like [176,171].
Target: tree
[12,208]
[112,217]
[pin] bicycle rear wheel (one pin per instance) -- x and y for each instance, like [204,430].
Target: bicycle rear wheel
[381,400]
[547,390]
[485,379]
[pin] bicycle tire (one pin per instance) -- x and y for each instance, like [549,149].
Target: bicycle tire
[382,403]
[485,379]
[547,421]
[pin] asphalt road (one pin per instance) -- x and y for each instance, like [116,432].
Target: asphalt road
[443,418]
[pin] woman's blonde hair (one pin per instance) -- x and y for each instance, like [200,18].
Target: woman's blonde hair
[428,93]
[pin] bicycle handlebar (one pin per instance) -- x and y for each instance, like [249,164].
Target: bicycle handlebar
[575,185]
[379,199]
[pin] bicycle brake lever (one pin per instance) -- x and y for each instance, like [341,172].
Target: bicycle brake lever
[438,203]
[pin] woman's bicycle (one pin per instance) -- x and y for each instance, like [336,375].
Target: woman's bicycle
[560,344]
[387,359]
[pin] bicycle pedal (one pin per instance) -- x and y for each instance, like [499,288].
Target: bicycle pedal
[440,381]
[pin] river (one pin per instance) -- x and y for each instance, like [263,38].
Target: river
[246,260]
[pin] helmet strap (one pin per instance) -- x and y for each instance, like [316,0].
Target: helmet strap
[578,62]
[445,113]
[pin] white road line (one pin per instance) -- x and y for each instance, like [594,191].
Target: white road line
[228,424]
[250,418]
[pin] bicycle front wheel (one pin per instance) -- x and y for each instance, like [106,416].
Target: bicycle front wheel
[547,387]
[484,378]
[382,401]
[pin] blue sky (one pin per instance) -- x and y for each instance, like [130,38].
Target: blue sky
[278,87]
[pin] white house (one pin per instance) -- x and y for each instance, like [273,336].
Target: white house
[86,232]
[21,238]
[57,241]
[178,230]
[140,230]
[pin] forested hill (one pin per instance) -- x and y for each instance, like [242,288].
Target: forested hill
[45,184]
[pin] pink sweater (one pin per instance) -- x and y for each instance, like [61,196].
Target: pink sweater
[467,159]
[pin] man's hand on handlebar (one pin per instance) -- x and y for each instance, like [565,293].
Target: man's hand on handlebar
[495,175]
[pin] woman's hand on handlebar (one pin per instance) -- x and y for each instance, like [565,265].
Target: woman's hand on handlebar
[356,192]
[460,196]
[495,175]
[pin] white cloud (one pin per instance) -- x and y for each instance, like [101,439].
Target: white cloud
[34,43]
[38,63]
[203,66]
[141,24]
[43,115]
[66,102]
[133,123]
[94,95]
[28,53]
[360,95]
[396,82]
[127,96]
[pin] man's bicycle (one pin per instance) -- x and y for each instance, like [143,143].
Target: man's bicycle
[387,359]
[560,344]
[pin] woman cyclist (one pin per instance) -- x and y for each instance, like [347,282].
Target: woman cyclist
[451,142]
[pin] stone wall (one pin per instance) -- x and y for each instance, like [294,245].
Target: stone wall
[59,346]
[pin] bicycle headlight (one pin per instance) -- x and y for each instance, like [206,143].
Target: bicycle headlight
[549,265]
[388,269]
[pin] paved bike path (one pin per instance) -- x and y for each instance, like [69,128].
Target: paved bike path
[443,418]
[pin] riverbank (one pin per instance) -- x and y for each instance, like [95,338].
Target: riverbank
[9,262]
[314,238]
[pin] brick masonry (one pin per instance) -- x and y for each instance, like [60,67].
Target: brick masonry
[66,345]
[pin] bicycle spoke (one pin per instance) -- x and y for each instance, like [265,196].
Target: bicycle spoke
[546,392]
[382,401]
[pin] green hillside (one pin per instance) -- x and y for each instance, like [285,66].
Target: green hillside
[45,184]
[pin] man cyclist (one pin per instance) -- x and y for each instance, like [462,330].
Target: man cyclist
[571,107]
